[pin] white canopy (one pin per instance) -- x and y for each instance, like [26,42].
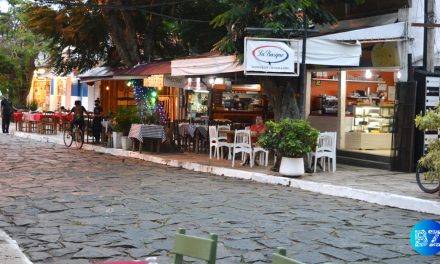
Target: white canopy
[331,52]
[390,31]
[212,65]
[319,51]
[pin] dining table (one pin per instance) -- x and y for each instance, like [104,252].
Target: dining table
[231,133]
[195,131]
[139,131]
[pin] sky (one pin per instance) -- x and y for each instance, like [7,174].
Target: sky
[3,6]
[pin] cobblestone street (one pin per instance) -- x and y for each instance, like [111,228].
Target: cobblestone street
[70,206]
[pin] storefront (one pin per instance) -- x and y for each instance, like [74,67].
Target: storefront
[41,92]
[242,102]
[365,100]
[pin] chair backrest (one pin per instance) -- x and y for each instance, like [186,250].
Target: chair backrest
[196,247]
[326,142]
[212,134]
[280,258]
[176,128]
[242,139]
[223,135]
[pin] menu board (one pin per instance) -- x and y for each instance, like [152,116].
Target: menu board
[218,94]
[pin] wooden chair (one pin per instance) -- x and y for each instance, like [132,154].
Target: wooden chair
[280,258]
[167,123]
[200,248]
[178,138]
[48,123]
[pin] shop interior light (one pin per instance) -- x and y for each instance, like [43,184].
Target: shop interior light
[399,75]
[107,88]
[160,87]
[368,74]
[212,81]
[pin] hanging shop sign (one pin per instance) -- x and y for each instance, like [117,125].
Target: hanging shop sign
[384,54]
[268,56]
[194,84]
[154,81]
[174,81]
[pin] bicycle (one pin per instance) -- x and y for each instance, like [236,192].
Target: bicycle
[425,184]
[76,135]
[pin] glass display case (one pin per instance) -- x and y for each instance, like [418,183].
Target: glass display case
[373,119]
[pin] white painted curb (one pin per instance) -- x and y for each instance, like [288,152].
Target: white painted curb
[380,198]
[11,252]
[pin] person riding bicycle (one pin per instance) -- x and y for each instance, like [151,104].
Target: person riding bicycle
[78,115]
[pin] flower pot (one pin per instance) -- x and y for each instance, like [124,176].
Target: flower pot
[117,140]
[292,166]
[127,143]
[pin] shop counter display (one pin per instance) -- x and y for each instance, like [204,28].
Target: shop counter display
[360,140]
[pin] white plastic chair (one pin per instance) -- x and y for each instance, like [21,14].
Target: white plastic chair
[326,148]
[222,137]
[262,152]
[242,143]
[214,142]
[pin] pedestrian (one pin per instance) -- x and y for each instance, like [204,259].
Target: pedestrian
[5,107]
[97,119]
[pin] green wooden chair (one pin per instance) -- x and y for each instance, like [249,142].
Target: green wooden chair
[280,258]
[196,247]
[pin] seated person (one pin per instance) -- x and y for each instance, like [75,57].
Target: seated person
[257,128]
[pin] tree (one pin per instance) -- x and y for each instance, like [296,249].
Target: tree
[124,32]
[278,15]
[18,49]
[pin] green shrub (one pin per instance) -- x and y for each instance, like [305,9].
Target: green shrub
[293,138]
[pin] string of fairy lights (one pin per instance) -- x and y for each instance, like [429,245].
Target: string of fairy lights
[146,101]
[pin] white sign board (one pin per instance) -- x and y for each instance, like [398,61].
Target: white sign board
[270,57]
[154,81]
[174,81]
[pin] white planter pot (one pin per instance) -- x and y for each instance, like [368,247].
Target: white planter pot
[127,143]
[117,140]
[292,166]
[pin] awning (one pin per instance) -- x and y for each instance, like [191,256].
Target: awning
[358,23]
[145,70]
[331,52]
[213,65]
[394,32]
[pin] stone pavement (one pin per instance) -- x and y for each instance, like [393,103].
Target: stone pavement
[70,206]
[377,186]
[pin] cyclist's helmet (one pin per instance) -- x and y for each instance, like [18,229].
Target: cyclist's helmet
[77,102]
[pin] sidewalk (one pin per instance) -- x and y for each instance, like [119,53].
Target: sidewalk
[371,185]
[10,253]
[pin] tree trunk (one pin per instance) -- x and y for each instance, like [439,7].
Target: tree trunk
[118,34]
[281,93]
[23,91]
[150,31]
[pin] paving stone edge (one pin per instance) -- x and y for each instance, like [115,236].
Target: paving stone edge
[380,198]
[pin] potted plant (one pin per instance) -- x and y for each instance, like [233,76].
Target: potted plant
[121,123]
[293,139]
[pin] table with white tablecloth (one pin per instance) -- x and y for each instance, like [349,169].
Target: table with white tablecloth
[139,132]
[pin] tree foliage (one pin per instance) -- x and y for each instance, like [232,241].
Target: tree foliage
[275,14]
[18,49]
[123,32]
[431,121]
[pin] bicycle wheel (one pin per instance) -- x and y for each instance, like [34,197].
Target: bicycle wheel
[79,138]
[425,184]
[68,139]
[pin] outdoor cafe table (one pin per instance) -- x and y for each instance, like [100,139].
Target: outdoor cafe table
[139,132]
[231,135]
[194,131]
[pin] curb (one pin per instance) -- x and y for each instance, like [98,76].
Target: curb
[380,198]
[10,252]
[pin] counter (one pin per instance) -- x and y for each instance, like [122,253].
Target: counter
[357,140]
[328,122]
